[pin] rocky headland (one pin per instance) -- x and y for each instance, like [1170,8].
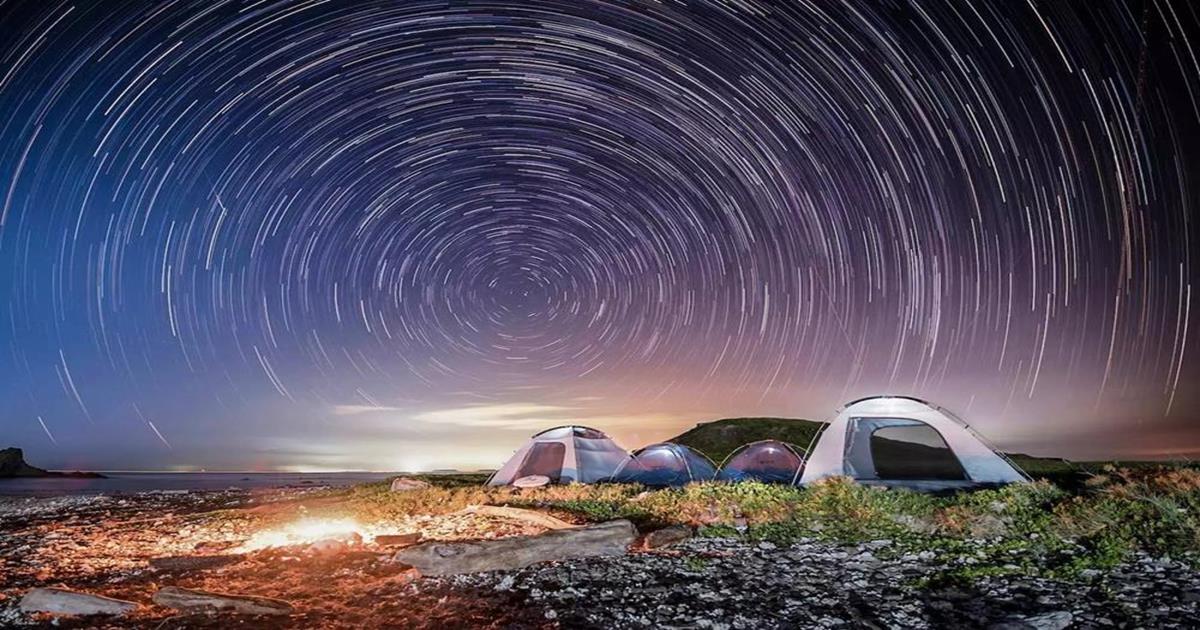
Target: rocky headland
[12,464]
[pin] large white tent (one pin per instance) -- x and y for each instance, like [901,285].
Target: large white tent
[946,455]
[563,455]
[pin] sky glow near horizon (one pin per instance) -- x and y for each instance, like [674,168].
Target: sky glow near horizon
[381,235]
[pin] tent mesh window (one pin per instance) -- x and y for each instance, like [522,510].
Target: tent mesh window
[768,461]
[656,467]
[916,451]
[544,459]
[665,465]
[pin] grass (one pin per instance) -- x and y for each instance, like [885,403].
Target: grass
[719,438]
[1076,517]
[1038,528]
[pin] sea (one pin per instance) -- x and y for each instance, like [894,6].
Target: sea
[133,482]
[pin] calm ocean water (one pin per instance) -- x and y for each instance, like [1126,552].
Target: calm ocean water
[127,482]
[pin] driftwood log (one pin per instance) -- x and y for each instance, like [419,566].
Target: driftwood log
[189,600]
[448,558]
[192,563]
[60,601]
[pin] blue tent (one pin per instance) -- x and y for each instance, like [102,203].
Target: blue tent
[768,461]
[665,465]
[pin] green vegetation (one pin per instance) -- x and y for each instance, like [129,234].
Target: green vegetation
[1034,529]
[1076,517]
[719,438]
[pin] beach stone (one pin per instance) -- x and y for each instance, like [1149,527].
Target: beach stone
[1056,620]
[398,540]
[59,601]
[408,484]
[193,600]
[328,546]
[449,558]
[667,536]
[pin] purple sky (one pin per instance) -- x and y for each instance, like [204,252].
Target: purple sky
[408,235]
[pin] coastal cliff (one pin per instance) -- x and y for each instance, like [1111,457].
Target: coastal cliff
[12,464]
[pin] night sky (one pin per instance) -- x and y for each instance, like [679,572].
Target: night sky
[406,235]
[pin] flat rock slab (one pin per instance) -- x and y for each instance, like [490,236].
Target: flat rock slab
[449,558]
[59,601]
[191,600]
[193,563]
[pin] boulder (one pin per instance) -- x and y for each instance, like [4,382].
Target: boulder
[192,600]
[449,558]
[408,484]
[666,536]
[59,601]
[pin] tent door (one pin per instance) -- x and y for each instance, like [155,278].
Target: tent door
[900,449]
[543,458]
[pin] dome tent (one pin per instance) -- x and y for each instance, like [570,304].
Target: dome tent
[665,465]
[768,461]
[897,441]
[564,455]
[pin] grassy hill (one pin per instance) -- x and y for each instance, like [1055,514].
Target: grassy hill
[719,438]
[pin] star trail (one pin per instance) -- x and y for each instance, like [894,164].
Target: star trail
[318,233]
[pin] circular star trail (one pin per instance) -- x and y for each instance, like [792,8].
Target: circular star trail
[209,206]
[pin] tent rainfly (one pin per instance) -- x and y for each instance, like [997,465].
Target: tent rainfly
[665,465]
[768,461]
[564,455]
[897,441]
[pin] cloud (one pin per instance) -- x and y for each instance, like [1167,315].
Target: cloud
[464,436]
[354,410]
[506,416]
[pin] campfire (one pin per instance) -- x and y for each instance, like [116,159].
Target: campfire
[309,531]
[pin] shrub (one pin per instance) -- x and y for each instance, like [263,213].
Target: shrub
[1030,528]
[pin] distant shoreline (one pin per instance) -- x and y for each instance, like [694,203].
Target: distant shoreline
[132,483]
[348,471]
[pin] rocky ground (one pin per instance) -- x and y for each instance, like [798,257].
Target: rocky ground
[725,583]
[131,547]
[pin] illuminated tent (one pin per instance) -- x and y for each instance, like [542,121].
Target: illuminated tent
[665,465]
[904,442]
[564,455]
[768,461]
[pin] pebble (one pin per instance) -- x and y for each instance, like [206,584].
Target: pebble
[730,583]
